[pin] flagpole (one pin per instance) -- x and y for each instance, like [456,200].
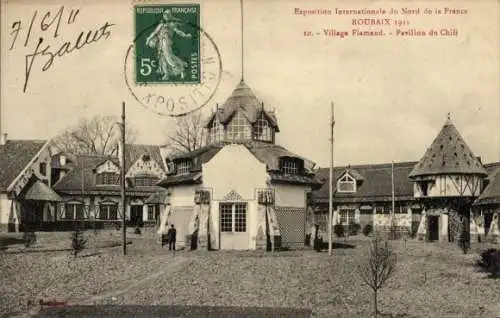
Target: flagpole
[330,208]
[393,201]
[122,180]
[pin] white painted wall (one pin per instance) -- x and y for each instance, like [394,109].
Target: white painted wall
[450,185]
[234,168]
[290,195]
[4,208]
[182,195]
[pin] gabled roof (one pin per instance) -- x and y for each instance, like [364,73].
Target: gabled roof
[491,194]
[353,173]
[243,100]
[448,154]
[377,184]
[81,179]
[14,157]
[135,151]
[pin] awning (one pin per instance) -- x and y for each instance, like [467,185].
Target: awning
[39,191]
[157,198]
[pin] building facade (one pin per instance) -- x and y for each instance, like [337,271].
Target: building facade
[362,195]
[89,186]
[241,191]
[26,197]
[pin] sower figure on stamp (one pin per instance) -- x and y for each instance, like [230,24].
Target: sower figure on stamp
[161,38]
[171,237]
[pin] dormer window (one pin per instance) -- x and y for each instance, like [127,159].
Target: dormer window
[238,128]
[183,166]
[346,184]
[262,130]
[216,130]
[290,166]
[107,178]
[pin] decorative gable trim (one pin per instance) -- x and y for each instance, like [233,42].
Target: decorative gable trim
[30,163]
[109,163]
[346,183]
[232,196]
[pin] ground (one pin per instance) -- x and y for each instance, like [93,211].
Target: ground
[432,279]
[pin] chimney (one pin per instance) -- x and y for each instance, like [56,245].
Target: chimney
[3,139]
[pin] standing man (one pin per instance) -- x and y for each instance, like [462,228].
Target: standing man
[171,236]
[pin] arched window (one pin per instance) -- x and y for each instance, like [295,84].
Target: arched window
[239,128]
[216,130]
[262,130]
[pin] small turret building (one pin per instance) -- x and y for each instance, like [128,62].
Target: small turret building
[446,181]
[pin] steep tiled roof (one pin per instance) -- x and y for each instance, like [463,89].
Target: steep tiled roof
[14,157]
[448,154]
[491,194]
[243,100]
[375,186]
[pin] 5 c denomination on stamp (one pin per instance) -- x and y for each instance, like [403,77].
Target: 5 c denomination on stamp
[173,67]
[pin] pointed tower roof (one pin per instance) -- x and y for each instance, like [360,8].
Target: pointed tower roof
[448,154]
[243,100]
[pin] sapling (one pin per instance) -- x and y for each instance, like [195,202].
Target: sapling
[377,267]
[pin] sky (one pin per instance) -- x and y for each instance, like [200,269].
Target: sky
[391,94]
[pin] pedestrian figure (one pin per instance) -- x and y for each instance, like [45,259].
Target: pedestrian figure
[171,236]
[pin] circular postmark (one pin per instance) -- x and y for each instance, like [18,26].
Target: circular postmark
[173,67]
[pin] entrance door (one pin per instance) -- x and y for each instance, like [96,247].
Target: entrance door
[433,227]
[233,226]
[136,215]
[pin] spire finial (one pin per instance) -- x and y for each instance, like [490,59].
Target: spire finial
[448,119]
[242,44]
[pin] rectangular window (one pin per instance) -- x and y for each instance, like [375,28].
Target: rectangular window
[43,168]
[240,217]
[145,181]
[226,217]
[151,212]
[233,217]
[347,216]
[108,211]
[290,166]
[183,167]
[106,178]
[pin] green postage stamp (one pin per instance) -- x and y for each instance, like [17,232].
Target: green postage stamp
[167,44]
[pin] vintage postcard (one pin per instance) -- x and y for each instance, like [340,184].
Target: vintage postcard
[283,158]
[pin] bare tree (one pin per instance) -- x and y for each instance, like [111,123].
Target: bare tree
[187,133]
[96,135]
[377,267]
